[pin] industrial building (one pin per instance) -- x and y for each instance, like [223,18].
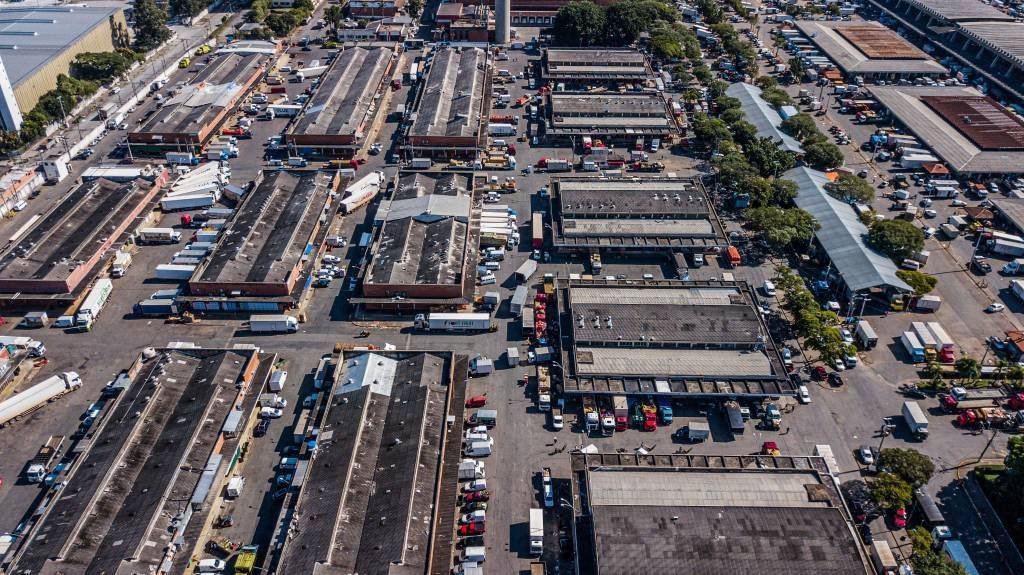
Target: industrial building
[762,115]
[869,50]
[656,214]
[343,108]
[639,513]
[51,257]
[160,454]
[669,338]
[612,117]
[426,240]
[842,238]
[972,133]
[579,67]
[41,42]
[972,33]
[260,263]
[187,120]
[451,109]
[386,496]
[533,13]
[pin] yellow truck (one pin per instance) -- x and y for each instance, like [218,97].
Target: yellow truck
[245,561]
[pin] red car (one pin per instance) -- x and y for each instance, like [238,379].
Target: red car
[477,401]
[819,372]
[900,518]
[472,529]
[472,496]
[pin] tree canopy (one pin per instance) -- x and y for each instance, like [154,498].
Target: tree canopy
[897,239]
[799,126]
[823,155]
[909,465]
[920,282]
[848,187]
[891,491]
[782,226]
[579,23]
[102,66]
[150,25]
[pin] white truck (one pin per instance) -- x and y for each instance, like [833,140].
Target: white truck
[518,300]
[278,323]
[36,396]
[454,322]
[470,469]
[39,465]
[33,347]
[159,236]
[175,272]
[536,531]
[481,365]
[1013,268]
[866,334]
[916,420]
[1017,286]
[93,303]
[120,264]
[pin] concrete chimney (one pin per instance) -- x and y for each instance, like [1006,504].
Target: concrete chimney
[502,21]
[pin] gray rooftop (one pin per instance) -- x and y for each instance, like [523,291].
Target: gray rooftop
[424,238]
[1004,38]
[345,96]
[843,235]
[1012,209]
[217,86]
[960,10]
[676,363]
[34,36]
[761,114]
[852,60]
[596,64]
[453,94]
[725,324]
[367,503]
[773,517]
[268,234]
[943,138]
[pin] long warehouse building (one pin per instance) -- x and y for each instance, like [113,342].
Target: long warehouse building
[192,116]
[451,111]
[339,115]
[64,247]
[261,260]
[613,117]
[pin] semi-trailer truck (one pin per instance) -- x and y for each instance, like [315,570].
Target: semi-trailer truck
[536,531]
[159,236]
[120,264]
[39,465]
[454,322]
[38,395]
[93,304]
[34,348]
[913,346]
[277,323]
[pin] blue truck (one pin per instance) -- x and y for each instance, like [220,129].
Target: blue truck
[664,410]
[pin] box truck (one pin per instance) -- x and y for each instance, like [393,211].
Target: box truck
[866,335]
[158,236]
[93,303]
[454,322]
[175,272]
[518,300]
[915,418]
[913,346]
[277,323]
[536,531]
[119,266]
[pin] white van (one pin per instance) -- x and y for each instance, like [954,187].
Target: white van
[212,566]
[911,264]
[474,554]
[698,260]
[492,266]
[20,206]
[769,288]
[488,280]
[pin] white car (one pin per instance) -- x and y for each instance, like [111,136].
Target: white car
[557,422]
[805,396]
[376,149]
[329,259]
[270,413]
[958,203]
[995,307]
[847,336]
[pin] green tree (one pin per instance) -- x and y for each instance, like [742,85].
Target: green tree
[765,82]
[768,157]
[187,8]
[1015,375]
[579,23]
[624,22]
[414,7]
[334,15]
[891,492]
[666,47]
[777,97]
[897,239]
[920,282]
[848,187]
[281,22]
[782,227]
[711,131]
[732,116]
[799,126]
[823,156]
[1015,455]
[726,103]
[101,66]
[796,67]
[968,368]
[909,465]
[150,25]
[934,563]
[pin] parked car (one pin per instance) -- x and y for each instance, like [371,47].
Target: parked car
[804,394]
[866,455]
[995,307]
[261,428]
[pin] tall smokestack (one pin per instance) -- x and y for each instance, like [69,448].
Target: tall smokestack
[502,20]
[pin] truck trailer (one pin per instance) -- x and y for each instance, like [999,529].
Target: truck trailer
[38,395]
[158,236]
[454,322]
[277,323]
[913,346]
[536,531]
[916,420]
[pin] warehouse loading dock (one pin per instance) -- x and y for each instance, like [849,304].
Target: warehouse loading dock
[612,117]
[451,109]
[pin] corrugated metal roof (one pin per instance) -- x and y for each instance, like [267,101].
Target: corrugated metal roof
[843,235]
[672,362]
[703,489]
[657,296]
[762,115]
